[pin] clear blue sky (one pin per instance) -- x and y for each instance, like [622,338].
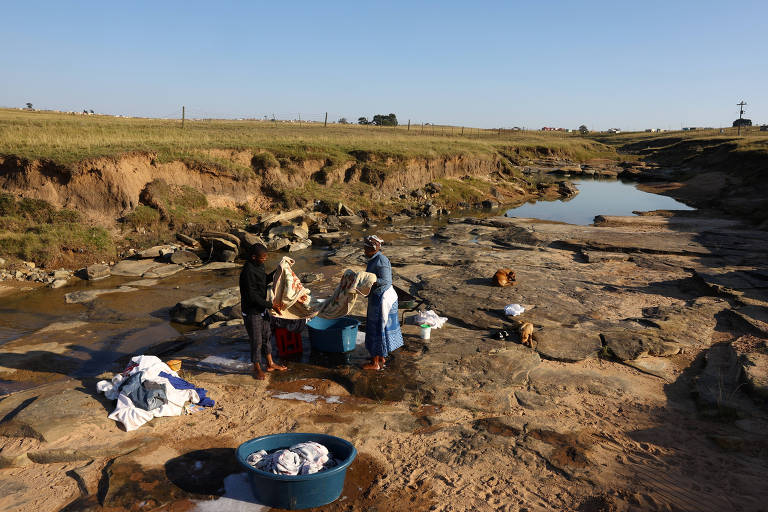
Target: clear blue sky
[631,65]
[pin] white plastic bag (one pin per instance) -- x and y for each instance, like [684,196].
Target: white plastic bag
[514,310]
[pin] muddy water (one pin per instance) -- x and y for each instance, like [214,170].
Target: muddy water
[116,325]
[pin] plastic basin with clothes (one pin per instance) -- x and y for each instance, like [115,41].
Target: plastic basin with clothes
[300,491]
[333,335]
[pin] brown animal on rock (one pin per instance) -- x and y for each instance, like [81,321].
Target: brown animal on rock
[504,277]
[526,334]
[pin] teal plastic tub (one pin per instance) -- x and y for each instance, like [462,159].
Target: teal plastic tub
[337,335]
[301,491]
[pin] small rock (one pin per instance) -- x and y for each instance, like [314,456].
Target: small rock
[60,274]
[351,220]
[2,262]
[188,240]
[98,271]
[154,252]
[311,277]
[184,257]
[277,244]
[299,246]
[489,203]
[29,264]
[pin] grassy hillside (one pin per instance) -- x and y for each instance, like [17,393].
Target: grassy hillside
[67,139]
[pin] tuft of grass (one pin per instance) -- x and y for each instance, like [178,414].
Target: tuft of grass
[143,217]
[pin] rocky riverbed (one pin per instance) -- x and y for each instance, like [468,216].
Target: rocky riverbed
[645,389]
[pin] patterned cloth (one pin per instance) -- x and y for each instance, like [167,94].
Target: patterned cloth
[345,295]
[288,296]
[382,326]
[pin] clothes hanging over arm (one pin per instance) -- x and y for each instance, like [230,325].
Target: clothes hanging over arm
[351,285]
[289,298]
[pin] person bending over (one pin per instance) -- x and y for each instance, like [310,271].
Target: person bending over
[253,301]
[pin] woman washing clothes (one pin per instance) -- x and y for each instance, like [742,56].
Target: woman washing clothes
[382,328]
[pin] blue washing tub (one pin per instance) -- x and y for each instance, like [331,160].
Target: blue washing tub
[301,491]
[338,335]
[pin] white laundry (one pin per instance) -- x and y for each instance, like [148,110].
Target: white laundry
[431,319]
[301,459]
[514,310]
[133,417]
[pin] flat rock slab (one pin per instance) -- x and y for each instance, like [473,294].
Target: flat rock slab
[197,309]
[627,344]
[145,268]
[217,265]
[163,270]
[657,366]
[567,344]
[52,412]
[83,296]
[142,283]
[563,381]
[754,316]
[755,367]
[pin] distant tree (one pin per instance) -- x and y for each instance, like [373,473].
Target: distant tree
[583,129]
[343,120]
[363,120]
[742,122]
[29,106]
[385,120]
[91,111]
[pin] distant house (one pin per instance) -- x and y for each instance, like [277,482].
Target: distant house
[614,130]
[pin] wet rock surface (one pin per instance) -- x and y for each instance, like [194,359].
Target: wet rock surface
[647,371]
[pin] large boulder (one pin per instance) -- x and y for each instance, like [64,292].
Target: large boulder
[197,309]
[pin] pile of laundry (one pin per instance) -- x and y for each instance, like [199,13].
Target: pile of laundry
[430,318]
[149,388]
[301,459]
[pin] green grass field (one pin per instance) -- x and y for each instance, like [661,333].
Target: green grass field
[67,139]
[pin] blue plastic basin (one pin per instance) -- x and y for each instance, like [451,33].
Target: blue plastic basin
[301,491]
[337,335]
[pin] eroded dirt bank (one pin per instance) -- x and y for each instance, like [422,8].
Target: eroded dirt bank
[644,390]
[109,188]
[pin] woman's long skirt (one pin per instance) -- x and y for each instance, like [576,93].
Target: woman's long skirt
[382,333]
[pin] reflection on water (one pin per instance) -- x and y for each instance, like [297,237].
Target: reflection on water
[597,197]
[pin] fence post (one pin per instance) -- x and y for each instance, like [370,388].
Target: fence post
[462,131]
[183,115]
[409,125]
[325,123]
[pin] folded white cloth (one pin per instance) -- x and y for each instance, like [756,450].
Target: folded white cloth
[514,310]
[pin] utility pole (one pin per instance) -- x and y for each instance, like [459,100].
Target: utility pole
[409,125]
[325,123]
[183,115]
[741,113]
[299,120]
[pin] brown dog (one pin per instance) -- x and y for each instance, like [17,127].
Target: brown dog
[526,334]
[504,277]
